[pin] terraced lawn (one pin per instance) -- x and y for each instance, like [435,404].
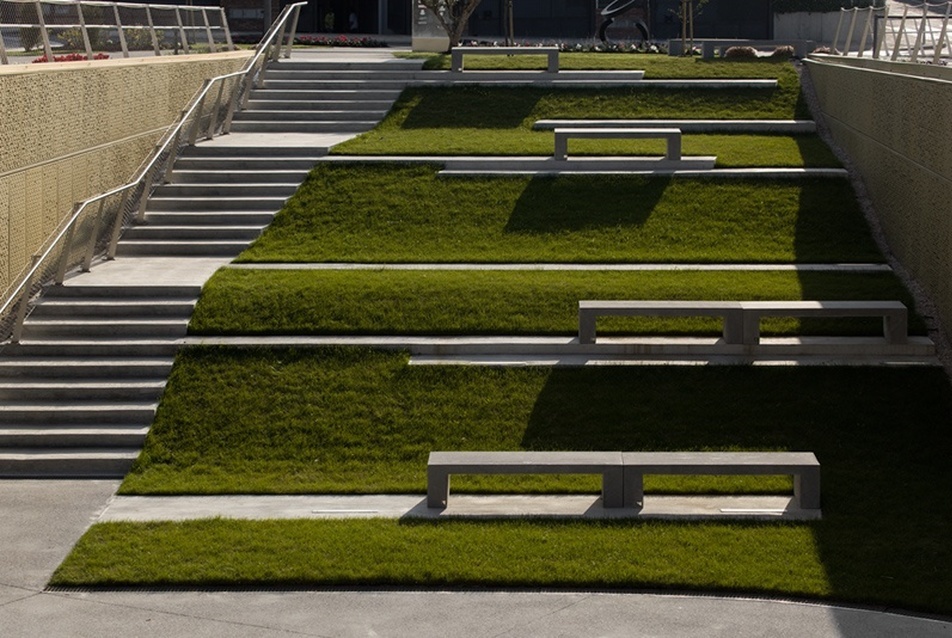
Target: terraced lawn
[393,213]
[508,302]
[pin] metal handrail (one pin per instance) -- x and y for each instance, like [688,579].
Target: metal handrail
[144,23]
[86,234]
[921,28]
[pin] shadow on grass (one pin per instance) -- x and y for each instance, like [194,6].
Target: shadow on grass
[882,437]
[558,204]
[466,107]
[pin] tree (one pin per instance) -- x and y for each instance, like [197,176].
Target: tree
[453,15]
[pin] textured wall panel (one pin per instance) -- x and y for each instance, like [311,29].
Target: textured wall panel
[5,274]
[897,129]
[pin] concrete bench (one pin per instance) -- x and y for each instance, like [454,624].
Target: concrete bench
[671,135]
[803,466]
[589,311]
[551,53]
[623,472]
[894,313]
[442,465]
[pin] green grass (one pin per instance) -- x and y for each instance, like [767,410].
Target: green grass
[507,302]
[498,121]
[655,66]
[362,421]
[396,213]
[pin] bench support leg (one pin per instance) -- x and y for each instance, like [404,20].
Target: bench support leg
[806,488]
[586,327]
[561,148]
[751,323]
[896,328]
[456,62]
[613,487]
[674,148]
[553,66]
[437,487]
[734,327]
[634,487]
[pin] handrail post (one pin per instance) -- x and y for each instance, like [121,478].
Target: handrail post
[208,32]
[181,28]
[866,28]
[232,106]
[93,237]
[21,307]
[3,50]
[199,108]
[943,34]
[155,38]
[849,35]
[47,49]
[85,31]
[901,35]
[294,24]
[67,245]
[920,36]
[146,191]
[117,226]
[173,151]
[122,36]
[213,116]
[224,25]
[278,43]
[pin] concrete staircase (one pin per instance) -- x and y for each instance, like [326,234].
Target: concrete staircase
[325,97]
[79,391]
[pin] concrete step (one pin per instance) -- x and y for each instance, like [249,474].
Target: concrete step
[198,218]
[241,177]
[86,368]
[195,191]
[101,347]
[67,462]
[262,152]
[72,436]
[274,74]
[215,163]
[72,328]
[81,390]
[219,203]
[333,65]
[104,291]
[368,84]
[306,126]
[298,115]
[78,413]
[329,104]
[311,93]
[150,232]
[102,307]
[183,248]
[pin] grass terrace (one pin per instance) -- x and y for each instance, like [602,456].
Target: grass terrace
[451,302]
[392,213]
[362,421]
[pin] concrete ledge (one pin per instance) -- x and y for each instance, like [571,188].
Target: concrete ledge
[181,508]
[791,127]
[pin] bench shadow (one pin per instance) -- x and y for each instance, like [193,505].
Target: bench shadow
[551,204]
[467,107]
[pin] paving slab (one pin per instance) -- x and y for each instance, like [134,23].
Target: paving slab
[246,507]
[149,271]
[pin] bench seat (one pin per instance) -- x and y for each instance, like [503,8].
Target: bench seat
[803,466]
[551,53]
[671,135]
[731,311]
[894,313]
[623,472]
[442,465]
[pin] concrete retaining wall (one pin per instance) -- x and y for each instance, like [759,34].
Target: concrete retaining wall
[802,25]
[894,121]
[71,130]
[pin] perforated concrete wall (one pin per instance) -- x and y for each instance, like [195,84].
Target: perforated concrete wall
[895,122]
[72,130]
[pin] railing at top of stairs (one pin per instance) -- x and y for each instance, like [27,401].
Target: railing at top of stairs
[94,227]
[909,37]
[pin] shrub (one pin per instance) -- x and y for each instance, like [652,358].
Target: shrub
[70,57]
[741,53]
[825,51]
[783,52]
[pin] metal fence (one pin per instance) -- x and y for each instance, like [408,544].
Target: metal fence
[919,34]
[88,27]
[95,225]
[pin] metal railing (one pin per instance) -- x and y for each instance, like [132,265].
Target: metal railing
[921,33]
[91,26]
[94,227]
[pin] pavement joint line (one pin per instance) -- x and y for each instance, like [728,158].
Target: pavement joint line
[839,267]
